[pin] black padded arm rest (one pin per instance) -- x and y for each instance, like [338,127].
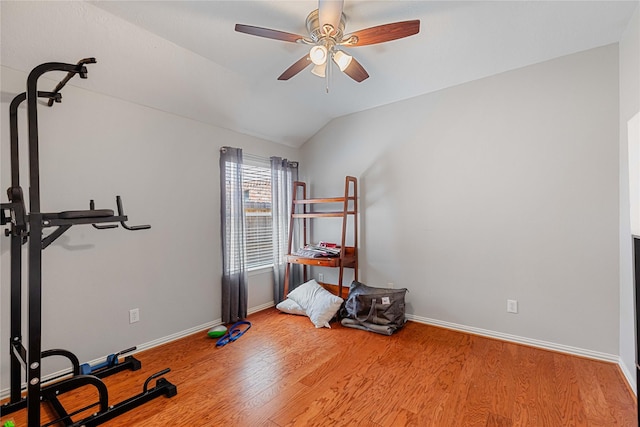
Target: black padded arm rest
[93,213]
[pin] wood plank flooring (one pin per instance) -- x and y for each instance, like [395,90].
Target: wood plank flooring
[284,372]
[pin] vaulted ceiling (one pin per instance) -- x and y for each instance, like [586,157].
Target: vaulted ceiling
[184,57]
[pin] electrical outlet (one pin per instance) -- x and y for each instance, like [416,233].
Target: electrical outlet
[512,306]
[134,315]
[391,285]
[320,277]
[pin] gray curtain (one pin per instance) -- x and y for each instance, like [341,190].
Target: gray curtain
[283,173]
[234,274]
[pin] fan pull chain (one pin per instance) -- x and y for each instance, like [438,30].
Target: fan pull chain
[327,73]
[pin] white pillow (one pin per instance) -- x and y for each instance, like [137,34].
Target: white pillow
[318,303]
[291,307]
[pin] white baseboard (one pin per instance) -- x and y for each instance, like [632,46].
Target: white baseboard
[454,326]
[631,379]
[576,351]
[260,307]
[517,339]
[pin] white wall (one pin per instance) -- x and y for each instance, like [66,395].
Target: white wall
[629,106]
[165,167]
[506,187]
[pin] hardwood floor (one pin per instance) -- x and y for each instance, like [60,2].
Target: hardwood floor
[284,372]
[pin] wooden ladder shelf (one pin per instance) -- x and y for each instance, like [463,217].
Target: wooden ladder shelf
[302,210]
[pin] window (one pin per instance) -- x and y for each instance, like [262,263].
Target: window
[256,190]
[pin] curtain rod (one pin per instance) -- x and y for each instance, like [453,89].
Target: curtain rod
[258,158]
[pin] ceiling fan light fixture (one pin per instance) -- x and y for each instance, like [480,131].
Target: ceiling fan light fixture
[325,27]
[319,70]
[342,59]
[318,55]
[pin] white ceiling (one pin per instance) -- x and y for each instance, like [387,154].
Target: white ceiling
[184,57]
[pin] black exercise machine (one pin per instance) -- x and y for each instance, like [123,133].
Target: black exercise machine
[28,227]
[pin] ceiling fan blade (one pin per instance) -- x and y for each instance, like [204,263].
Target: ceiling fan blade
[356,71]
[268,33]
[330,12]
[382,33]
[298,66]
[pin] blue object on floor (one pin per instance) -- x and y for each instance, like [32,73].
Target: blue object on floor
[234,333]
[86,369]
[112,360]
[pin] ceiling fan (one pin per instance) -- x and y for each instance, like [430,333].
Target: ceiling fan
[326,35]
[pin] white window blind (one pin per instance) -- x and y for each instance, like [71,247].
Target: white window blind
[256,187]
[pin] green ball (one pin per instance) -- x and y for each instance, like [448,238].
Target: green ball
[217,331]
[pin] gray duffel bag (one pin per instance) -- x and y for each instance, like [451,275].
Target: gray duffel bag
[372,309]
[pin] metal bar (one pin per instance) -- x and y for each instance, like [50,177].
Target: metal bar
[104,227]
[123,223]
[145,387]
[163,387]
[71,74]
[79,221]
[75,382]
[67,418]
[13,130]
[13,406]
[15,372]
[64,353]
[49,392]
[92,206]
[32,116]
[129,362]
[63,416]
[18,216]
[81,381]
[34,315]
[18,350]
[4,217]
[53,236]
[18,361]
[34,320]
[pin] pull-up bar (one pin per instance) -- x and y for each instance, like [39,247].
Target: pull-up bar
[82,72]
[27,227]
